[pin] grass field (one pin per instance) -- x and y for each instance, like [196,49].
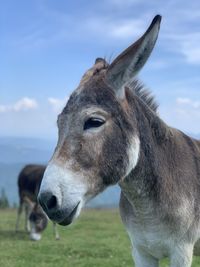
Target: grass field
[97,239]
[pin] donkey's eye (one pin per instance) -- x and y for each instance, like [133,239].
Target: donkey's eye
[93,123]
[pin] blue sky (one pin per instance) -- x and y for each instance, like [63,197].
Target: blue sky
[47,45]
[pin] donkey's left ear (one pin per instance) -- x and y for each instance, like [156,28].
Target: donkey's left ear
[126,66]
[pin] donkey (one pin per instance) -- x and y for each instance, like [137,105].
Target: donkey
[110,132]
[29,181]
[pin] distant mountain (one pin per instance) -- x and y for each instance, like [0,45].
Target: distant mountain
[15,152]
[8,180]
[25,150]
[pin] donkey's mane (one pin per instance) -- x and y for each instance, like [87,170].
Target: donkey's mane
[144,94]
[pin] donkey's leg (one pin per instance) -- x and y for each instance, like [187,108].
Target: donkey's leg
[182,256]
[19,212]
[27,222]
[143,259]
[55,230]
[197,248]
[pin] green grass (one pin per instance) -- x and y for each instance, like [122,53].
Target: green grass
[97,239]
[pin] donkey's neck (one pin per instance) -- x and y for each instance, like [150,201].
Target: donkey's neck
[142,184]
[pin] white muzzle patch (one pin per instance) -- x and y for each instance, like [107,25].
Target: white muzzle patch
[67,186]
[35,236]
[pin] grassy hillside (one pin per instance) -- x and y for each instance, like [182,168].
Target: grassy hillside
[97,239]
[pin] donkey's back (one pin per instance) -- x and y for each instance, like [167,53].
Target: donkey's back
[29,180]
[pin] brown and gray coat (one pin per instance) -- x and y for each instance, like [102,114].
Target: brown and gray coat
[110,132]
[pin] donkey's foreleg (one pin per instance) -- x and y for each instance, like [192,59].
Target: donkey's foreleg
[19,212]
[143,259]
[55,230]
[27,222]
[182,256]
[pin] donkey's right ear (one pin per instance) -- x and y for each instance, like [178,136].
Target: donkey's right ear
[126,66]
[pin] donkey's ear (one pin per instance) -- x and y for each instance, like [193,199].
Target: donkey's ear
[125,67]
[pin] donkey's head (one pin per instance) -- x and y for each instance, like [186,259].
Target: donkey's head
[38,221]
[98,142]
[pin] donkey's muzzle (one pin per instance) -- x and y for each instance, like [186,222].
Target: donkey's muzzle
[59,214]
[61,194]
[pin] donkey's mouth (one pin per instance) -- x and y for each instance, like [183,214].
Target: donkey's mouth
[68,220]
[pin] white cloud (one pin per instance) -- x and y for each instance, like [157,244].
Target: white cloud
[3,108]
[179,29]
[183,113]
[188,102]
[182,117]
[158,64]
[191,50]
[23,104]
[186,44]
[57,104]
[183,100]
[121,28]
[103,26]
[127,28]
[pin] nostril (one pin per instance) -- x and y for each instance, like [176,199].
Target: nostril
[51,202]
[48,201]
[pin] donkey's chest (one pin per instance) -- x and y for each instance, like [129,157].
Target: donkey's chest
[147,231]
[154,239]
